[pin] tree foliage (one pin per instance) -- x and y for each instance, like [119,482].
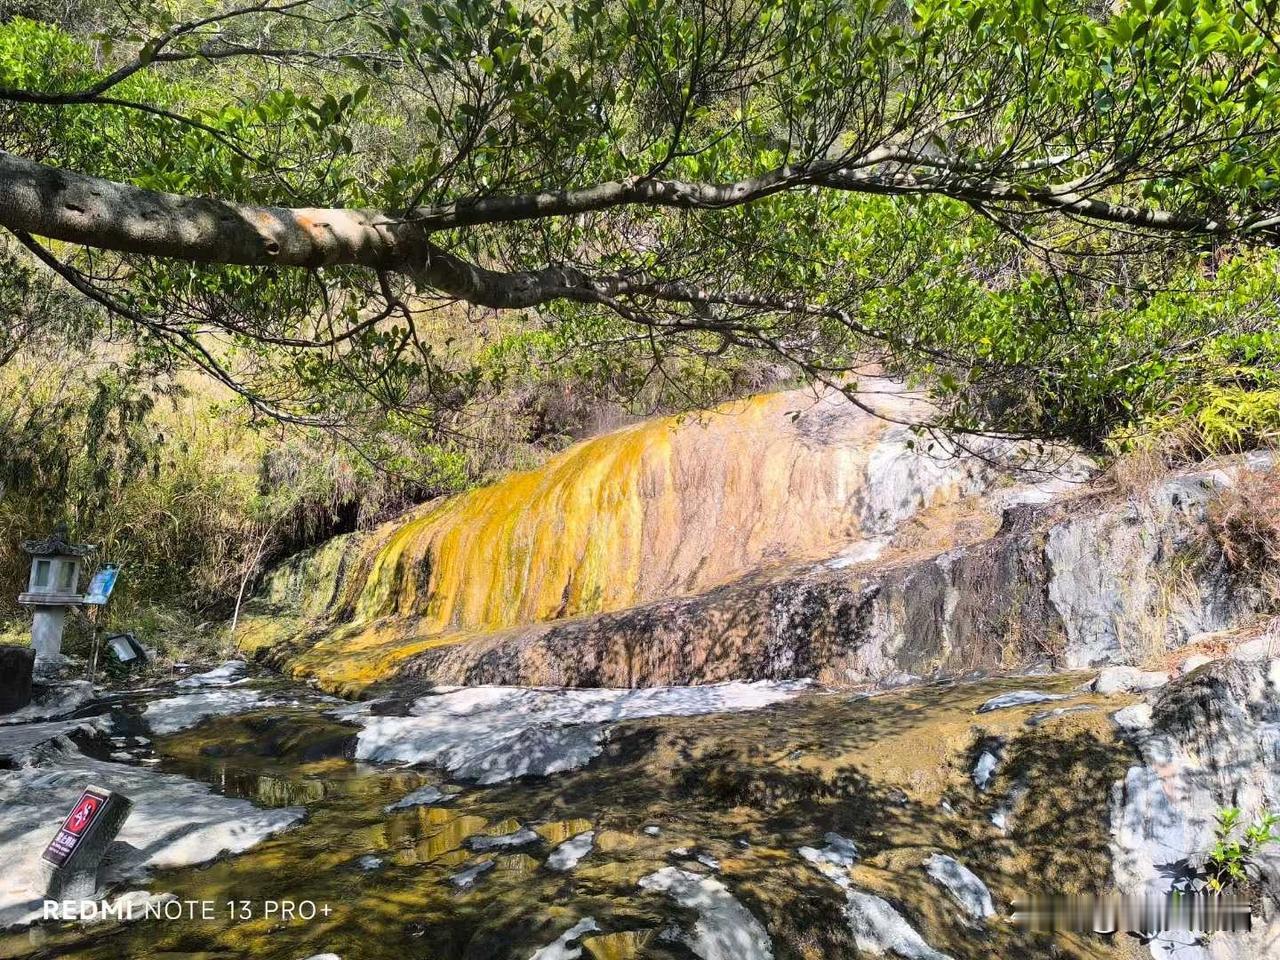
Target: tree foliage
[1056,216]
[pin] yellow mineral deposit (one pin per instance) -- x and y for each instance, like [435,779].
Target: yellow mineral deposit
[665,508]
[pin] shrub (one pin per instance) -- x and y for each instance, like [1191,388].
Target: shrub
[1226,867]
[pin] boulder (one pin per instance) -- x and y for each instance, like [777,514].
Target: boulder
[1211,743]
[16,664]
[1128,679]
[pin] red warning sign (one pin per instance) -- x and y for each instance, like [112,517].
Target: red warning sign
[74,828]
[83,814]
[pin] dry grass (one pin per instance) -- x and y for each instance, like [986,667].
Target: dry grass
[1213,645]
[1138,471]
[1245,523]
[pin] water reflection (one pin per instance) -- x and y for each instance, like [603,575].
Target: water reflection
[874,770]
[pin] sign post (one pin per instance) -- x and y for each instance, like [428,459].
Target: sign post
[96,597]
[74,855]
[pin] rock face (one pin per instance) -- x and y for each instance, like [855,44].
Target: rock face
[1087,581]
[1213,741]
[670,508]
[762,546]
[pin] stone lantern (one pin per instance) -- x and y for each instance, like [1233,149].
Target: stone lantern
[54,587]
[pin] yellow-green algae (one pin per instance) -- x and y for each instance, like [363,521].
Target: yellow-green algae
[874,769]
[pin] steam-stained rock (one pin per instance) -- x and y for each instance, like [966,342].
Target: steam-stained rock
[665,510]
[1076,576]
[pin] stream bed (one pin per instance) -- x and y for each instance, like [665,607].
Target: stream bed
[761,820]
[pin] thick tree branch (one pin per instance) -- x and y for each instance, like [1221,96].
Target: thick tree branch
[76,208]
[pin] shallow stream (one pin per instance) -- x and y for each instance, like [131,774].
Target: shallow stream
[696,826]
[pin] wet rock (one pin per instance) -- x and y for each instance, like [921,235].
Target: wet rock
[505,841]
[963,885]
[424,796]
[172,714]
[465,879]
[1002,816]
[839,851]
[725,929]
[568,945]
[570,853]
[879,929]
[493,734]
[1019,698]
[1128,680]
[708,861]
[984,769]
[174,821]
[369,862]
[53,668]
[52,701]
[225,675]
[652,830]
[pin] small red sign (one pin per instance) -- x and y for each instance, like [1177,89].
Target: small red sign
[73,829]
[83,814]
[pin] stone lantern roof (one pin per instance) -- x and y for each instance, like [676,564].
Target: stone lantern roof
[56,544]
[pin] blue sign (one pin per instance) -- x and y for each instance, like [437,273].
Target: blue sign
[100,587]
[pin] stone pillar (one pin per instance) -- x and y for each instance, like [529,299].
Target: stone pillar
[46,631]
[15,677]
